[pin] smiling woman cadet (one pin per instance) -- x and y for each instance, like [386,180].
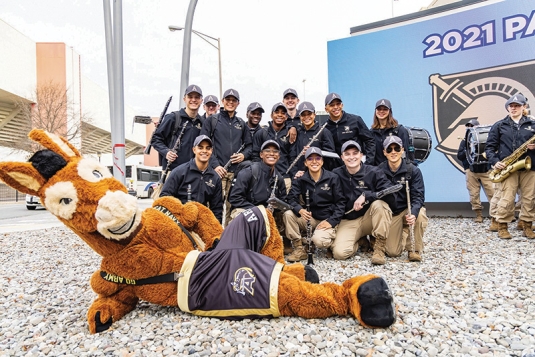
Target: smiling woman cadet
[385,125]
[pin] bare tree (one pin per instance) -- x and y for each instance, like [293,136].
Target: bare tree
[53,110]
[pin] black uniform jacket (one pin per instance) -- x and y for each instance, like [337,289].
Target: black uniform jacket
[327,200]
[280,137]
[246,193]
[293,122]
[163,139]
[205,186]
[416,187]
[506,136]
[227,135]
[352,127]
[380,135]
[367,180]
[324,141]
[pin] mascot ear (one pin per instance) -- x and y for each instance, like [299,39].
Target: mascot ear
[22,176]
[54,143]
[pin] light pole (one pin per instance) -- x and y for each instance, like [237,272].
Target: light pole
[218,48]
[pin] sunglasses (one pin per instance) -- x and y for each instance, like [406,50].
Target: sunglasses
[389,149]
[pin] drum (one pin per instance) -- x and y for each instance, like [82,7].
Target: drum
[420,144]
[476,140]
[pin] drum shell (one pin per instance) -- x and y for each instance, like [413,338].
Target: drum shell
[420,143]
[475,141]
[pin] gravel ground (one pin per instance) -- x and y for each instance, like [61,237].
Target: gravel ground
[473,295]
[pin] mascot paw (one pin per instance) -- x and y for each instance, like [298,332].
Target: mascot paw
[311,275]
[377,303]
[102,326]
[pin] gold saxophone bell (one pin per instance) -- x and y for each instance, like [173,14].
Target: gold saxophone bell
[519,165]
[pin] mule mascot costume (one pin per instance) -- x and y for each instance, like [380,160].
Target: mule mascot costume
[175,254]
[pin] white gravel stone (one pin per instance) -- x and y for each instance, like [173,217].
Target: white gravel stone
[472,295]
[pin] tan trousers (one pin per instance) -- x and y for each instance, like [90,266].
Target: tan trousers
[226,182]
[398,238]
[505,193]
[288,184]
[474,183]
[294,225]
[376,221]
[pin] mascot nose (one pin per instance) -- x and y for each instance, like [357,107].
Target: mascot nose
[115,208]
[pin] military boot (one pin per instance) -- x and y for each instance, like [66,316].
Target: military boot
[415,256]
[520,225]
[503,232]
[378,257]
[494,226]
[287,246]
[298,253]
[527,231]
[479,216]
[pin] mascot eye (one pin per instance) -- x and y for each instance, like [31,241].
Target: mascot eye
[65,201]
[97,174]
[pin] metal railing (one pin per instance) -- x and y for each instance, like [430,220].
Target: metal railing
[8,194]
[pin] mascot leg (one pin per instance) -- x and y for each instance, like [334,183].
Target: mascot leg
[302,272]
[105,310]
[367,298]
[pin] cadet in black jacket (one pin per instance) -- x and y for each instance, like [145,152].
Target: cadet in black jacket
[254,116]
[384,124]
[210,106]
[204,182]
[305,132]
[168,131]
[364,213]
[397,171]
[327,203]
[344,126]
[477,177]
[228,133]
[506,136]
[276,130]
[290,100]
[254,184]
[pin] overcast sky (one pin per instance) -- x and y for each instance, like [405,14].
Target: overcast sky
[266,46]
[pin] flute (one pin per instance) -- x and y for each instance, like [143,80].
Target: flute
[309,233]
[411,227]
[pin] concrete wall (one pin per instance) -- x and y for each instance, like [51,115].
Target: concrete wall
[17,62]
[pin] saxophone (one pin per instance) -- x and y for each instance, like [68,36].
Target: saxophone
[512,163]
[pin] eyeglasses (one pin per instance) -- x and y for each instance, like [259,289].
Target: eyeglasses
[314,158]
[390,148]
[271,151]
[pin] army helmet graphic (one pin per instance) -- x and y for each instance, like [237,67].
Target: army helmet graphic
[478,94]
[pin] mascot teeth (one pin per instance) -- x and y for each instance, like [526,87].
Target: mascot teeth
[120,230]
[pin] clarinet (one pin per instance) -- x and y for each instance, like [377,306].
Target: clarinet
[309,233]
[309,143]
[270,206]
[411,227]
[229,162]
[189,193]
[149,145]
[158,189]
